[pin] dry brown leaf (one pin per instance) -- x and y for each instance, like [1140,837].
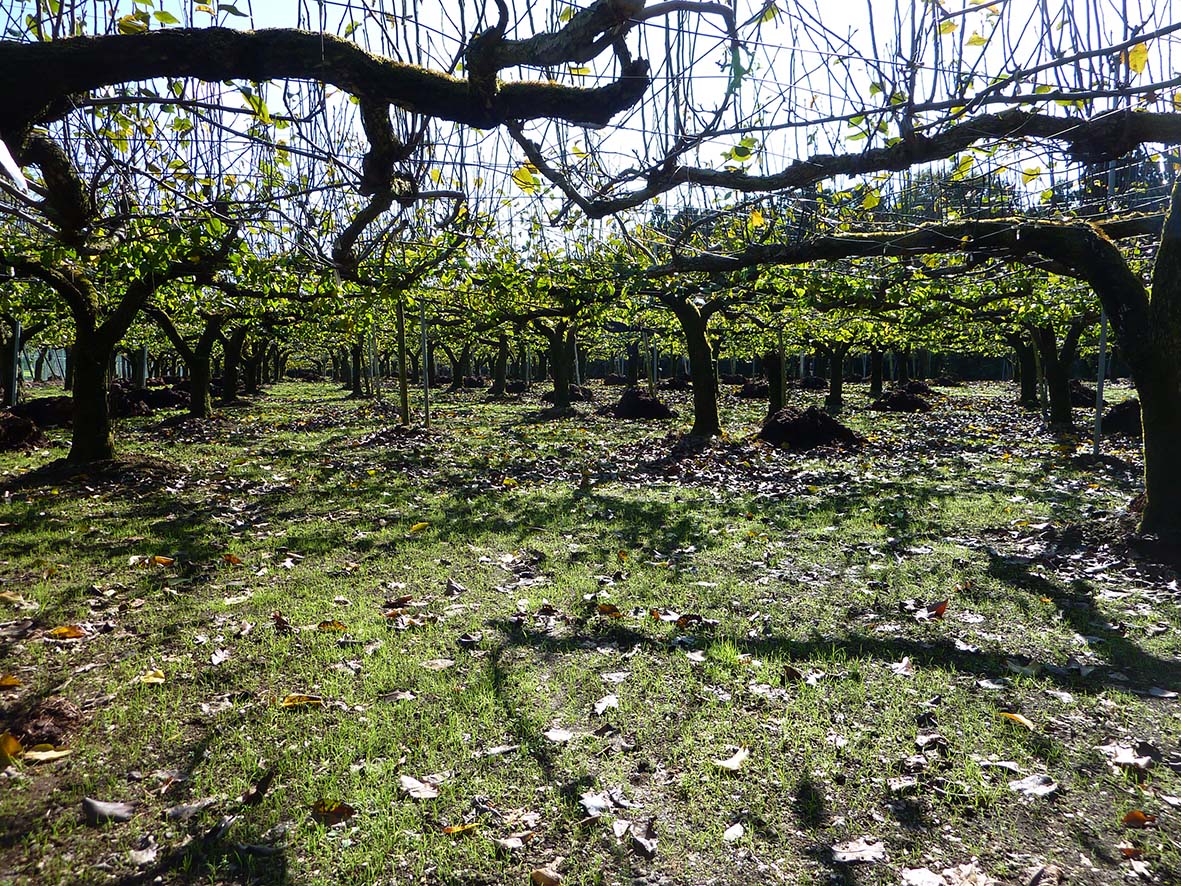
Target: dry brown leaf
[419,790]
[330,813]
[1134,819]
[331,625]
[545,877]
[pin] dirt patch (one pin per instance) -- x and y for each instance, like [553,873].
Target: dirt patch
[758,389]
[19,433]
[1123,418]
[47,412]
[899,400]
[948,381]
[638,404]
[578,394]
[800,430]
[678,383]
[614,380]
[51,721]
[813,383]
[515,387]
[921,388]
[731,378]
[1082,395]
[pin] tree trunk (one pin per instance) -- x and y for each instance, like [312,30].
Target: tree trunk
[772,364]
[232,351]
[902,365]
[500,367]
[875,373]
[706,420]
[1026,373]
[68,382]
[833,401]
[561,365]
[633,365]
[92,440]
[1056,370]
[460,367]
[355,373]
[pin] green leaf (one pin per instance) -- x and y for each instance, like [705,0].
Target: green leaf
[165,18]
[231,9]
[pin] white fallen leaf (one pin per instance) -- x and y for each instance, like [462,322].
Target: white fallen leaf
[734,832]
[859,851]
[437,664]
[419,790]
[921,877]
[558,735]
[903,668]
[606,703]
[734,763]
[1034,786]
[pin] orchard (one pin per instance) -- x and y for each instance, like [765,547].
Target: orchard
[590,442]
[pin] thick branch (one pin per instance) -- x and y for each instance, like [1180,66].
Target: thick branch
[34,77]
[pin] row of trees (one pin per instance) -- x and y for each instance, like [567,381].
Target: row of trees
[137,190]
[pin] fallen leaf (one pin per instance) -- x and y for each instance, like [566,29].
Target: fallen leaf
[420,526]
[734,832]
[298,700]
[606,703]
[437,664]
[330,813]
[545,877]
[734,763]
[931,611]
[1134,819]
[45,753]
[1017,718]
[1034,786]
[10,749]
[454,829]
[232,559]
[921,877]
[8,681]
[903,668]
[645,844]
[151,678]
[859,852]
[331,625]
[558,735]
[67,632]
[97,812]
[610,610]
[146,854]
[219,656]
[419,790]
[161,560]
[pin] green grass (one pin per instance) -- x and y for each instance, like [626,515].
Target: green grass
[799,565]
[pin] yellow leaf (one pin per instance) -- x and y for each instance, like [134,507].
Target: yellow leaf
[161,560]
[461,828]
[580,71]
[871,200]
[525,179]
[67,632]
[1137,58]
[45,753]
[436,176]
[10,749]
[333,625]
[8,681]
[578,151]
[509,481]
[1017,718]
[947,27]
[1030,173]
[419,526]
[977,40]
[296,700]
[756,219]
[151,678]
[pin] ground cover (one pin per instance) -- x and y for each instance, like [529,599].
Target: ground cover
[307,646]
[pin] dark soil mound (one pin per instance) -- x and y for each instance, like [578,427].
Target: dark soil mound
[917,387]
[19,433]
[578,394]
[814,383]
[900,401]
[614,380]
[947,381]
[733,379]
[637,403]
[1082,395]
[126,401]
[47,412]
[304,374]
[474,382]
[759,389]
[515,387]
[164,398]
[52,721]
[1123,418]
[791,428]
[678,383]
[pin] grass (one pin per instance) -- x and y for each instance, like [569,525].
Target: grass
[860,719]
